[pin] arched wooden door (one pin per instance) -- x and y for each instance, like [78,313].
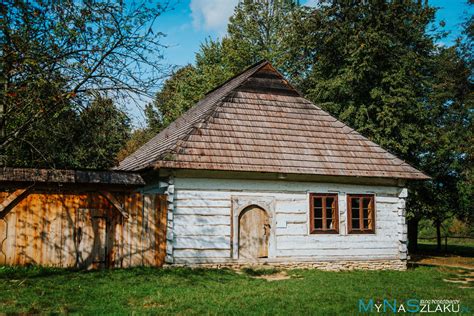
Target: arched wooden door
[254,233]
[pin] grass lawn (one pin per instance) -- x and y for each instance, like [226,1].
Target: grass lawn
[186,291]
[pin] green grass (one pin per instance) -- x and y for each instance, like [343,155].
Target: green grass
[186,291]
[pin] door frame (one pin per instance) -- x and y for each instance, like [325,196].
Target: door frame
[239,204]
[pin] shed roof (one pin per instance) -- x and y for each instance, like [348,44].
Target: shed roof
[258,122]
[70,176]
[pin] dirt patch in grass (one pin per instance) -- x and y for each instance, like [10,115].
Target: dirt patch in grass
[269,274]
[447,261]
[282,275]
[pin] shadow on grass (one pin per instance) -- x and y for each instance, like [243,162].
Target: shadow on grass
[466,250]
[32,271]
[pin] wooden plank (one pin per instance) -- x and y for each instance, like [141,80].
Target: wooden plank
[11,200]
[148,230]
[161,229]
[116,203]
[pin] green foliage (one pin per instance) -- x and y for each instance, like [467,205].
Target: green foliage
[55,57]
[137,138]
[217,292]
[256,31]
[101,133]
[89,139]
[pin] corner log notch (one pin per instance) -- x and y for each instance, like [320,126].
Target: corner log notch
[12,200]
[113,200]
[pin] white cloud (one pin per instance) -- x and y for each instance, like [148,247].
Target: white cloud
[212,14]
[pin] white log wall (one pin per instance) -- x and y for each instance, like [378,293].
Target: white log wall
[201,221]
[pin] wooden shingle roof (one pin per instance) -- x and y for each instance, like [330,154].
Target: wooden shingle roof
[258,122]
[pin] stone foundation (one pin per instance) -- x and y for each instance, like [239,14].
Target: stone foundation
[342,265]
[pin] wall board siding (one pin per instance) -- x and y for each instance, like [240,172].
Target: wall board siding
[83,230]
[203,220]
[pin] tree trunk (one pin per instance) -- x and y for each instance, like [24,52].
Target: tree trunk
[438,235]
[413,234]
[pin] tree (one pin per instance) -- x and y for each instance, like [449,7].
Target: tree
[89,139]
[376,66]
[101,133]
[256,31]
[54,55]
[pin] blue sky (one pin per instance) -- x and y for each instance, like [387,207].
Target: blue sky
[190,22]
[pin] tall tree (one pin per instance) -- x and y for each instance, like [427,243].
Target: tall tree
[376,66]
[54,54]
[256,31]
[89,139]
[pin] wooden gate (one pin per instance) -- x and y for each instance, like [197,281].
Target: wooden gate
[71,229]
[254,229]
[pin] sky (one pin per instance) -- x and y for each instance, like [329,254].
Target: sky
[190,22]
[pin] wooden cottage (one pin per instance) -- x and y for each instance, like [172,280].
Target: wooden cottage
[255,173]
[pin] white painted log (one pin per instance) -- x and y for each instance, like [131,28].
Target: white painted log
[386,199]
[195,253]
[169,248]
[257,187]
[388,251]
[203,203]
[200,242]
[196,210]
[293,218]
[201,230]
[403,193]
[350,247]
[293,229]
[201,220]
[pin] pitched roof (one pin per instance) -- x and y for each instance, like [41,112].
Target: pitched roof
[257,121]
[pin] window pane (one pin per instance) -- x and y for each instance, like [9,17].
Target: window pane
[318,212]
[366,224]
[355,203]
[318,202]
[318,223]
[366,202]
[329,202]
[366,213]
[355,212]
[355,224]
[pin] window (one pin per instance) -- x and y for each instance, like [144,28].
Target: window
[324,217]
[361,213]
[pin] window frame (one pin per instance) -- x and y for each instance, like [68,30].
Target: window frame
[312,229]
[350,230]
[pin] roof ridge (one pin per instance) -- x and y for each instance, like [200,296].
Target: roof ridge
[242,77]
[212,109]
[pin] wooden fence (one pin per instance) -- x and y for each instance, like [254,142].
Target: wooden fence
[86,230]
